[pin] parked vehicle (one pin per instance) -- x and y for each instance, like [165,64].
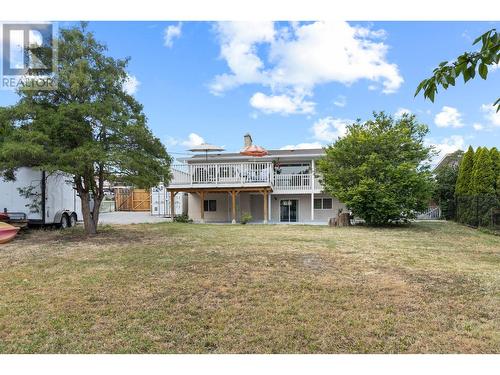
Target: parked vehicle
[40,198]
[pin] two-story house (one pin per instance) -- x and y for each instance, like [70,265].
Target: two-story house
[280,187]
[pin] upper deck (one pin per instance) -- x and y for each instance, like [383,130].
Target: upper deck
[243,174]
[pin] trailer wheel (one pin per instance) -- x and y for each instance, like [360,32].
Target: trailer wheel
[64,222]
[72,220]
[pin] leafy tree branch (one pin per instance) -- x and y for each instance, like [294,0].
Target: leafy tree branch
[466,65]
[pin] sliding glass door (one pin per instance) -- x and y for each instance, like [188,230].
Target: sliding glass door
[289,210]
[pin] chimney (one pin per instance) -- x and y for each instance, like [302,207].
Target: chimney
[247,140]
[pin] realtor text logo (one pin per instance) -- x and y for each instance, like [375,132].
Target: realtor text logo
[28,56]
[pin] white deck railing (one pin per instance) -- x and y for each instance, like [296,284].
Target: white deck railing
[241,174]
[222,174]
[292,182]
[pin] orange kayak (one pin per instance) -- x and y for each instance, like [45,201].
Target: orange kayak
[7,232]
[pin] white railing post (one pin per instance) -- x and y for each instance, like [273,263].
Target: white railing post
[313,169]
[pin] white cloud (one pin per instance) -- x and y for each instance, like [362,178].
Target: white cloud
[448,117]
[325,131]
[193,140]
[239,41]
[491,114]
[478,126]
[131,84]
[298,57]
[172,32]
[401,111]
[323,52]
[341,101]
[302,146]
[447,145]
[328,129]
[467,36]
[171,141]
[282,104]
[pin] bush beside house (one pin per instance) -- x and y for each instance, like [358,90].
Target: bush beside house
[380,169]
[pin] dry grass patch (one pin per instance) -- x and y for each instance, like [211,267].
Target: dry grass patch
[429,287]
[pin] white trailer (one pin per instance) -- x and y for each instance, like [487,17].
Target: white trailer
[44,198]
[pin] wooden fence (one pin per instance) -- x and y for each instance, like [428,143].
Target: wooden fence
[132,199]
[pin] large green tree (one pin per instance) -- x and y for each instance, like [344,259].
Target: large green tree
[495,163]
[465,65]
[483,175]
[379,168]
[89,127]
[465,173]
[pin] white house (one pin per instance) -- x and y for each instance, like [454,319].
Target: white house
[279,187]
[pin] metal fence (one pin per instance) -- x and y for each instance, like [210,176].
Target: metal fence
[478,210]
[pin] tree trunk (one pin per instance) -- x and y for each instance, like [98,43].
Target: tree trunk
[343,220]
[88,221]
[95,211]
[83,187]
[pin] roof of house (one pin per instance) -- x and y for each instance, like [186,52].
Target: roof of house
[273,154]
[452,158]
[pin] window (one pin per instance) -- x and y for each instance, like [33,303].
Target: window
[317,203]
[210,205]
[327,203]
[323,203]
[295,168]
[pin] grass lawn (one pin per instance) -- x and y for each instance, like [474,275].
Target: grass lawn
[430,287]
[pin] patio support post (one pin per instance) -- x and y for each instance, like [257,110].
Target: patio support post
[265,207]
[233,204]
[312,206]
[202,207]
[172,204]
[313,172]
[269,200]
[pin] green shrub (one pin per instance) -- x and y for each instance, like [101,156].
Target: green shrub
[245,218]
[184,218]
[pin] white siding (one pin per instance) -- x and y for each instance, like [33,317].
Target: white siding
[304,208]
[223,208]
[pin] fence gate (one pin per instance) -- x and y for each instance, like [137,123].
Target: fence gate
[128,199]
[432,213]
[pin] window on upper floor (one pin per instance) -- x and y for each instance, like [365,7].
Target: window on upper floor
[296,168]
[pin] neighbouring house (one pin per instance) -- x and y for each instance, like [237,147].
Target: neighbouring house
[451,159]
[279,186]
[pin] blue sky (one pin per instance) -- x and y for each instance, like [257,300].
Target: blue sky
[296,84]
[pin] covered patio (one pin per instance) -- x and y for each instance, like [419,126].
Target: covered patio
[232,194]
